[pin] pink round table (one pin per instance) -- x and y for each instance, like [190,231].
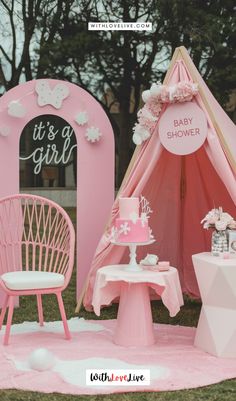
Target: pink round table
[134,321]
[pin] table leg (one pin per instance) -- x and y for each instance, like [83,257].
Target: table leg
[134,325]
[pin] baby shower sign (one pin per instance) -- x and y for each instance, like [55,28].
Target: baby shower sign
[183,128]
[52,142]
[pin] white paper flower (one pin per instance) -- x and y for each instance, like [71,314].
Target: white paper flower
[221,225]
[81,117]
[137,139]
[226,217]
[211,217]
[140,134]
[148,115]
[146,95]
[124,228]
[93,134]
[16,109]
[156,89]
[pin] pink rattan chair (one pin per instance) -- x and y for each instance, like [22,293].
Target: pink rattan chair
[37,241]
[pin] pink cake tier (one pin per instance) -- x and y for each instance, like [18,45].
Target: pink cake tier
[128,231]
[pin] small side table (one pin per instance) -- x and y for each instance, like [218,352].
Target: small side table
[216,330]
[134,321]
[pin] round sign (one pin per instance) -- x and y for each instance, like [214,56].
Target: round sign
[183,128]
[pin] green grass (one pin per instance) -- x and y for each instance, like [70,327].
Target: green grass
[188,316]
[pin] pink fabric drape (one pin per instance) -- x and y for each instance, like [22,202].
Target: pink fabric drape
[181,190]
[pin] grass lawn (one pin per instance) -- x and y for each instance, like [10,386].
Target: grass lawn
[188,316]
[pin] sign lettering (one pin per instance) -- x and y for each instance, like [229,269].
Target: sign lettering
[46,139]
[183,128]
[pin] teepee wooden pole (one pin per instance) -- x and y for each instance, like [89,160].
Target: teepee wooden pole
[192,69]
[175,57]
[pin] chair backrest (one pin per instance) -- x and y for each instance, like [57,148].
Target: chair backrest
[35,234]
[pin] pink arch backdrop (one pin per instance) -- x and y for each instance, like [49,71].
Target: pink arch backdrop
[95,161]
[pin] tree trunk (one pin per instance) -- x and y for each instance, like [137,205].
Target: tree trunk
[124,140]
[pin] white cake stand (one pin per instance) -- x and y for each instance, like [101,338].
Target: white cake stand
[133,265]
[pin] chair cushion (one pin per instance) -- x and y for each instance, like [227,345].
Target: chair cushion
[32,280]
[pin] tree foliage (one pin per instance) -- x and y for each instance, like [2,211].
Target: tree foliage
[49,38]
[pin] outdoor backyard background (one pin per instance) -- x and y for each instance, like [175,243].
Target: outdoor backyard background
[50,39]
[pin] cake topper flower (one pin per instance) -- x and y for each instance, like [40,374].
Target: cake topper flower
[145,207]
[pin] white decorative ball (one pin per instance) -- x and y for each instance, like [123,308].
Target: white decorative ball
[145,134]
[146,95]
[155,89]
[41,359]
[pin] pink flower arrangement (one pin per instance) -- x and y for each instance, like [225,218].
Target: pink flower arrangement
[154,98]
[219,220]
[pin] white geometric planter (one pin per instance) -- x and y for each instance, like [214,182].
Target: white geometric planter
[216,330]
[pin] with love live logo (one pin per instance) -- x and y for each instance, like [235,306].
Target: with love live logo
[118,377]
[183,128]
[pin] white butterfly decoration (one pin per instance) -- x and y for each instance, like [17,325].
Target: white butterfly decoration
[54,96]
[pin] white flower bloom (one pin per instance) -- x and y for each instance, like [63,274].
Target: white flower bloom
[226,217]
[156,89]
[146,95]
[221,225]
[137,139]
[148,115]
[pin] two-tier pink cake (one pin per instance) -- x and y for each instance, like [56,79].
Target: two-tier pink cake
[131,226]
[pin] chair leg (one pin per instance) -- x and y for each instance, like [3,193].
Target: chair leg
[40,309]
[3,312]
[63,315]
[9,320]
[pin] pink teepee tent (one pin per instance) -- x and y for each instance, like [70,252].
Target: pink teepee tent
[181,189]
